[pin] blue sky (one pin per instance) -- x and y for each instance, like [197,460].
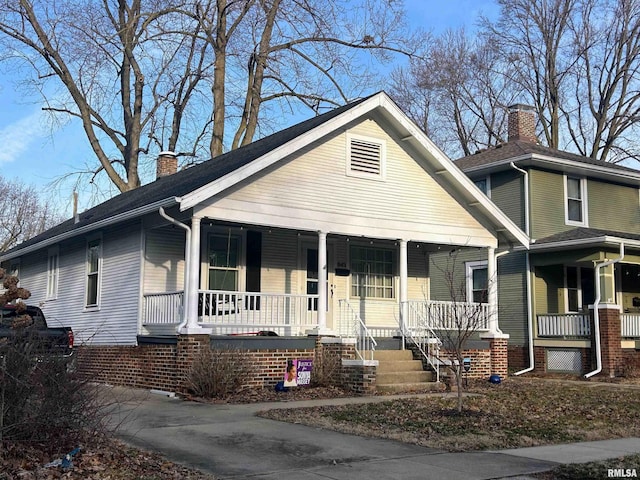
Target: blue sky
[37,154]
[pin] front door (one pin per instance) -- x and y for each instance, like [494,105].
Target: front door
[310,287]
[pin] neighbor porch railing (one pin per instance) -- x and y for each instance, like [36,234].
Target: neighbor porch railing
[237,312]
[352,325]
[630,325]
[564,325]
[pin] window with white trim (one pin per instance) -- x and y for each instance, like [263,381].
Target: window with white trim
[53,273]
[14,268]
[484,184]
[372,272]
[575,200]
[477,281]
[94,265]
[224,254]
[366,157]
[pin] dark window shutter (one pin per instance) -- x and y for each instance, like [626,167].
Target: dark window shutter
[254,264]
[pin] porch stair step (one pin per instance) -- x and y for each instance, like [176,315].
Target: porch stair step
[398,372]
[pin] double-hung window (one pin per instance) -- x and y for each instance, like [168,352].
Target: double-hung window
[575,200]
[52,273]
[372,271]
[484,184]
[224,254]
[94,264]
[477,282]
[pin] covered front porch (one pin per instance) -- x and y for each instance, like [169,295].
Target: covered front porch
[242,279]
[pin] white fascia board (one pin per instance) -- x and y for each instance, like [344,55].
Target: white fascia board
[137,212]
[380,100]
[480,200]
[555,162]
[586,242]
[207,191]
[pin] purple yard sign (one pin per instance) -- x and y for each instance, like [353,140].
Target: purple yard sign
[298,372]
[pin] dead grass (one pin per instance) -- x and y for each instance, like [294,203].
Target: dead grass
[516,413]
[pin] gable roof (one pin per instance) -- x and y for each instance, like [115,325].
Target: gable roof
[192,185]
[527,153]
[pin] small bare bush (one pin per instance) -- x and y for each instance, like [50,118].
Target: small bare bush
[326,371]
[41,400]
[216,373]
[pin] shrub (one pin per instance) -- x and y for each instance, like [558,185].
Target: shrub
[41,400]
[216,373]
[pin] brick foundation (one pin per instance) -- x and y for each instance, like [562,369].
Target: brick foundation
[610,337]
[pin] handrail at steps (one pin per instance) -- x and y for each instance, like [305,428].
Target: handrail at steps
[364,340]
[429,339]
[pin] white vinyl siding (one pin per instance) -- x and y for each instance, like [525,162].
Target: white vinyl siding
[116,322]
[164,260]
[319,196]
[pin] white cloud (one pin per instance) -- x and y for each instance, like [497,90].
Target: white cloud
[16,137]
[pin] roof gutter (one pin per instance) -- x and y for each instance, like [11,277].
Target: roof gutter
[596,315]
[136,212]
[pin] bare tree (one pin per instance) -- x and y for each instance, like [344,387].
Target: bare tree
[458,321]
[23,214]
[602,120]
[462,86]
[148,75]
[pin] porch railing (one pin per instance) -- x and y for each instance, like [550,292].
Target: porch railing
[441,315]
[630,325]
[417,330]
[248,312]
[237,312]
[352,324]
[564,325]
[162,308]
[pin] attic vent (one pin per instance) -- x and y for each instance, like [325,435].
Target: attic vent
[366,157]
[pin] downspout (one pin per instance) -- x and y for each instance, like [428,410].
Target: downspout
[528,270]
[496,256]
[596,315]
[187,268]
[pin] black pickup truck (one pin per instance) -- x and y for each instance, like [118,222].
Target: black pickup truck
[50,340]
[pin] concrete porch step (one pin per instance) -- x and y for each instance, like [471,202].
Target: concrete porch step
[399,366]
[390,355]
[392,378]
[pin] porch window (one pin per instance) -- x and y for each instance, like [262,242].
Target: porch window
[223,251]
[372,271]
[477,281]
[52,273]
[575,206]
[94,261]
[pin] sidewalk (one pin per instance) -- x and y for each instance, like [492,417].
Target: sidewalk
[230,442]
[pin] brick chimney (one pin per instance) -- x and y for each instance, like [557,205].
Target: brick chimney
[167,164]
[522,123]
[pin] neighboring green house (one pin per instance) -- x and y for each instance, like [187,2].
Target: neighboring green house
[579,213]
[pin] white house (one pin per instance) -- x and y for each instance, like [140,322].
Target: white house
[324,227]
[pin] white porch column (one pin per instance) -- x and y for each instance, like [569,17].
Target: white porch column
[322,282]
[404,283]
[193,271]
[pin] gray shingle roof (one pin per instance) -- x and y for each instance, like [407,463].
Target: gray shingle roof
[520,148]
[584,233]
[187,180]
